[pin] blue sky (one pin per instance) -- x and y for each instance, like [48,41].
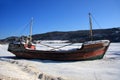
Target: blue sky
[56,15]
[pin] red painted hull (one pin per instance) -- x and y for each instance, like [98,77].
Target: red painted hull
[87,52]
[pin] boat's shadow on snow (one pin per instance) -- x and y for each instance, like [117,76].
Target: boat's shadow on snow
[35,60]
[11,57]
[52,61]
[112,55]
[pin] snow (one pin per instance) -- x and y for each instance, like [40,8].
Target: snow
[53,41]
[3,51]
[57,46]
[107,68]
[105,42]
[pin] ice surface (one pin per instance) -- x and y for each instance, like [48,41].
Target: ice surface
[3,51]
[107,68]
[58,46]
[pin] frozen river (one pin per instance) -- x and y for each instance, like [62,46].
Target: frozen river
[107,68]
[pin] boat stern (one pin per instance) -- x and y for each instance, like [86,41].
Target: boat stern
[14,47]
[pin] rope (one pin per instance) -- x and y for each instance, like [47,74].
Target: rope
[96,22]
[20,30]
[24,29]
[53,48]
[62,46]
[47,45]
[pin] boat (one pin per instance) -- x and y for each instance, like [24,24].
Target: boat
[90,50]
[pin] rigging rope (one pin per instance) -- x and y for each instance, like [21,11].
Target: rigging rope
[96,22]
[62,46]
[47,45]
[20,30]
[25,28]
[56,47]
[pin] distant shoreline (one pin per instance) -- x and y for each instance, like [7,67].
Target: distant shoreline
[79,36]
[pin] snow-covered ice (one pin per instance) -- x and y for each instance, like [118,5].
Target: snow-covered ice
[107,68]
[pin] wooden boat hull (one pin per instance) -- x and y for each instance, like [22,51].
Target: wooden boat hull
[86,52]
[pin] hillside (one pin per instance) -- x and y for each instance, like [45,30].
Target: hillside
[113,34]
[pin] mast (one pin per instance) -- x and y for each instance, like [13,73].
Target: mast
[90,22]
[31,23]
